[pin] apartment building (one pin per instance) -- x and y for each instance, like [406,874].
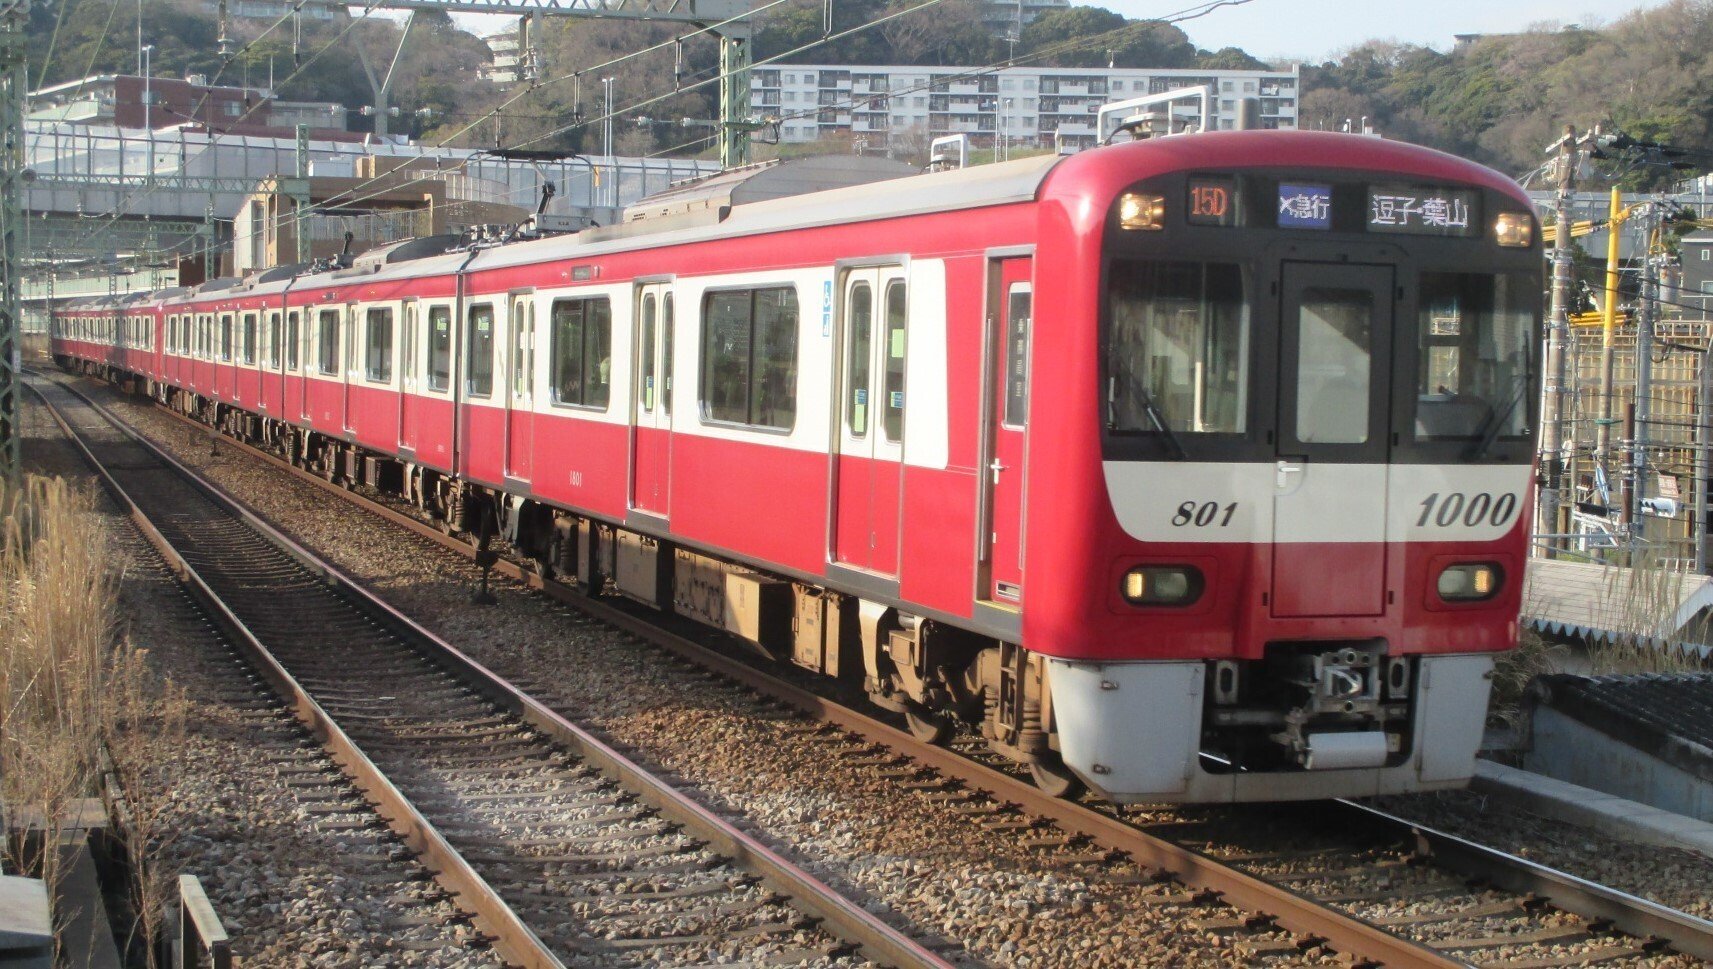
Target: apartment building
[1047,107]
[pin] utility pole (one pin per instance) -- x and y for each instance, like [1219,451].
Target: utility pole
[1703,457]
[1558,340]
[1608,329]
[14,17]
[1645,311]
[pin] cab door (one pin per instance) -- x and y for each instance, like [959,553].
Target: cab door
[651,412]
[520,400]
[869,477]
[1011,317]
[1329,506]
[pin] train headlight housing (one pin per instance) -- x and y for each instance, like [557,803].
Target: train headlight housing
[1514,230]
[1162,585]
[1144,212]
[1470,582]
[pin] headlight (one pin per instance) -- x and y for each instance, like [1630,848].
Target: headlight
[1471,582]
[1514,230]
[1162,585]
[1142,211]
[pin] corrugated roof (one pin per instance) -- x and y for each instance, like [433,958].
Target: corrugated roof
[1605,603]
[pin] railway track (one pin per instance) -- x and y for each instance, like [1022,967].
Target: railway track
[1371,886]
[565,852]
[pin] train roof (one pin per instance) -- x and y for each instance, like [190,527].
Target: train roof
[778,197]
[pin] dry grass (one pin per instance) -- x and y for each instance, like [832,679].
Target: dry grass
[70,686]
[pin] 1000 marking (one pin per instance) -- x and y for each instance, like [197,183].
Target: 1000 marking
[1472,511]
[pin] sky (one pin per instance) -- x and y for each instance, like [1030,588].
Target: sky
[1313,29]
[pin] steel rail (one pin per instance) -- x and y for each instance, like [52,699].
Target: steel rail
[1635,916]
[1309,920]
[513,940]
[1296,913]
[877,940]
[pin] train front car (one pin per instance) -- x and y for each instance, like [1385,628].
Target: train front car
[1280,463]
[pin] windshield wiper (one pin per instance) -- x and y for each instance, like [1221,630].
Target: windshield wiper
[1490,430]
[1148,407]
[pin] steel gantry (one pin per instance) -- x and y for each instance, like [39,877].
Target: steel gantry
[724,18]
[14,17]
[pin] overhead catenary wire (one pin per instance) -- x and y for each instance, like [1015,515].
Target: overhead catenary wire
[349,196]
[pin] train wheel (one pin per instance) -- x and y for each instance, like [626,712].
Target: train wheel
[930,728]
[1053,777]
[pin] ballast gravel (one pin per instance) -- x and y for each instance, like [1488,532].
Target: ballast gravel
[292,887]
[933,873]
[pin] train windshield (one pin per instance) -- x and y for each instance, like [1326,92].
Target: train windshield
[1178,348]
[1476,336]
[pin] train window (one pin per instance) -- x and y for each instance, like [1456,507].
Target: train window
[1334,364]
[1019,316]
[892,408]
[666,354]
[272,357]
[582,351]
[250,339]
[407,350]
[749,357]
[378,347]
[523,348]
[439,347]
[861,352]
[327,360]
[291,340]
[226,336]
[479,352]
[1177,353]
[645,353]
[1477,333]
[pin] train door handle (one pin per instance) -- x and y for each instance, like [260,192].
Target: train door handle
[1285,470]
[997,467]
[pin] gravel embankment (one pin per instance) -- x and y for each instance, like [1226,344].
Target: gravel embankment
[937,873]
[299,874]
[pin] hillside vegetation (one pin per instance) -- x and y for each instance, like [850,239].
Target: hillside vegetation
[1504,99]
[1499,101]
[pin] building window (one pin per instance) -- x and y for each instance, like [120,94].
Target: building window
[582,351]
[378,348]
[479,352]
[439,347]
[327,359]
[749,357]
[1706,254]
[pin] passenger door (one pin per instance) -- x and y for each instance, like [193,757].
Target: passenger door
[651,412]
[870,463]
[1329,507]
[1010,324]
[520,400]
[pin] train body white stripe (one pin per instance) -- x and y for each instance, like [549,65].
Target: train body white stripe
[1208,502]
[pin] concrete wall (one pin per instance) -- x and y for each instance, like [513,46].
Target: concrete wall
[1577,753]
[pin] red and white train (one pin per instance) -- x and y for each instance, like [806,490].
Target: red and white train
[1189,469]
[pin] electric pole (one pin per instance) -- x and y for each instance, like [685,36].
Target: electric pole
[1645,309]
[1558,339]
[1608,331]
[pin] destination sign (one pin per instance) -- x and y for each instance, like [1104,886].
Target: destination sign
[1424,210]
[1305,206]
